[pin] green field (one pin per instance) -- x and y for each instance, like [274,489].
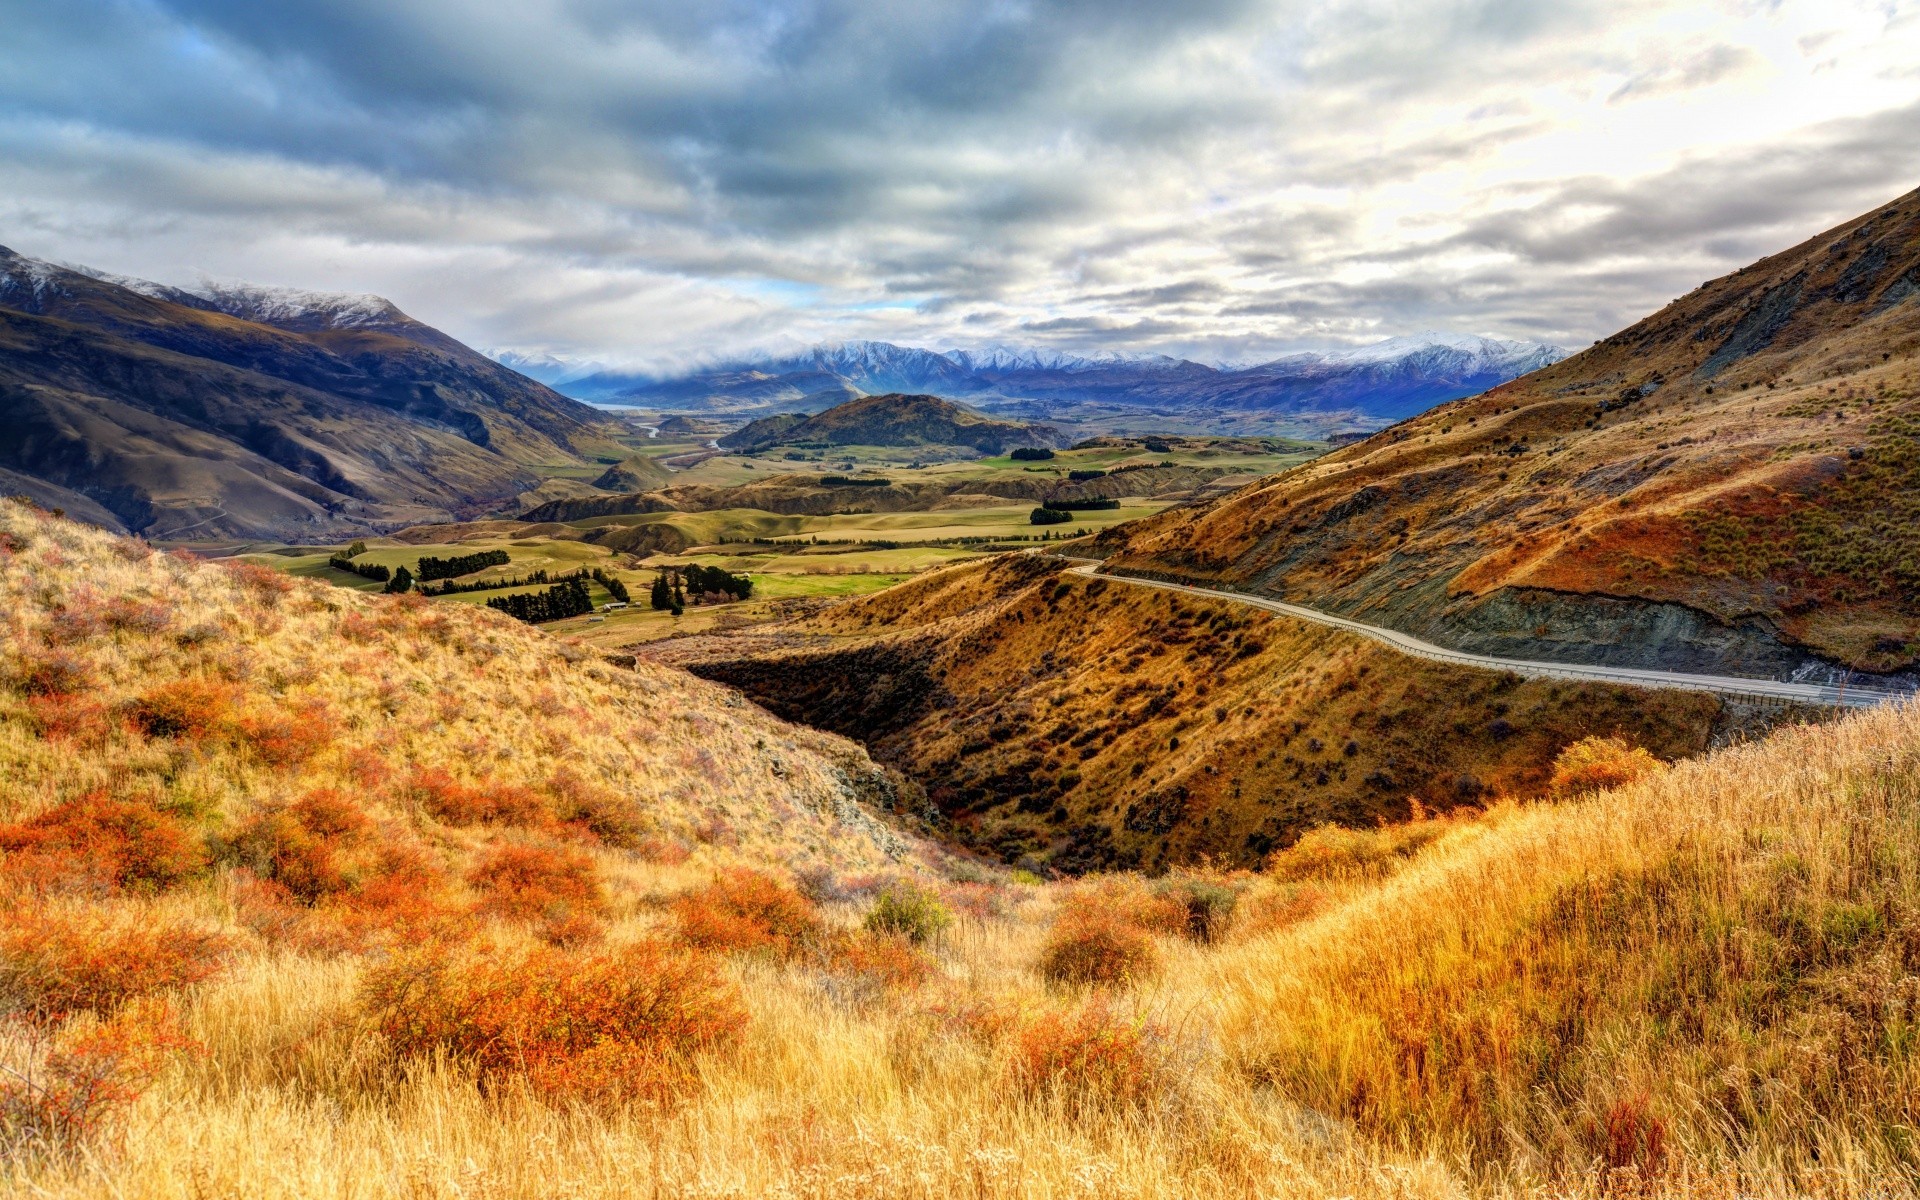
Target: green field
[789,558]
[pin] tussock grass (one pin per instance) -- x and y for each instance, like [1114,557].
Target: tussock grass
[1698,983]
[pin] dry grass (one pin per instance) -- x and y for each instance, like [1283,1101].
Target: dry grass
[1700,983]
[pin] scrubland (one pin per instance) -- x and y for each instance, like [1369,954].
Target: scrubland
[315,894]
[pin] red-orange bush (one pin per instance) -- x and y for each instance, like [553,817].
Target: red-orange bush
[1129,900]
[1098,949]
[69,718]
[189,709]
[288,739]
[264,582]
[605,1026]
[97,842]
[525,881]
[889,962]
[54,673]
[1594,764]
[1089,1056]
[54,964]
[305,847]
[744,910]
[486,802]
[72,1090]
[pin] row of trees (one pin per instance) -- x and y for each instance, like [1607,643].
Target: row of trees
[1094,502]
[461,564]
[343,561]
[567,599]
[712,585]
[1048,516]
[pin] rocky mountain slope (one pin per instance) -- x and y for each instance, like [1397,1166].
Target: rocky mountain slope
[893,419]
[1390,380]
[1733,485]
[248,412]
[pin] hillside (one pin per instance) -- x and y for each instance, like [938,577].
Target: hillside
[1729,485]
[892,420]
[253,413]
[1078,725]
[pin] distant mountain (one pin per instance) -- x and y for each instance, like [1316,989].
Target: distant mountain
[240,411]
[1387,381]
[892,420]
[1731,485]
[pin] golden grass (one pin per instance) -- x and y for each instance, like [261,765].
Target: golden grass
[1724,951]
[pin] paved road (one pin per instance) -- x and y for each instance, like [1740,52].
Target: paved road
[1727,685]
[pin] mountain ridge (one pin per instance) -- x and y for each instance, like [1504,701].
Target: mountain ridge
[1388,380]
[259,412]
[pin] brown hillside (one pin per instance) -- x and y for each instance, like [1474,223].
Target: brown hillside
[893,420]
[1090,724]
[183,422]
[1727,485]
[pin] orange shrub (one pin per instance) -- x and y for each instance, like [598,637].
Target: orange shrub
[288,740]
[1127,899]
[69,718]
[1098,949]
[97,842]
[607,1026]
[481,803]
[524,881]
[70,1093]
[1089,1056]
[189,709]
[304,847]
[1594,764]
[888,962]
[54,964]
[744,910]
[55,673]
[264,582]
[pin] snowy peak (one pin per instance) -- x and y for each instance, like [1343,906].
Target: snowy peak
[1472,352]
[298,308]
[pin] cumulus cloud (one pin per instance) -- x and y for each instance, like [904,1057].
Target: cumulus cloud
[655,183]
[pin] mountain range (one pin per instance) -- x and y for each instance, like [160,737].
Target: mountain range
[1386,381]
[237,411]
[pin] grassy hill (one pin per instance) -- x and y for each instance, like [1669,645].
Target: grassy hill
[310,894]
[1726,485]
[1086,724]
[891,420]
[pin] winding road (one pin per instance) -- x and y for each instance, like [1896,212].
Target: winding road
[1776,691]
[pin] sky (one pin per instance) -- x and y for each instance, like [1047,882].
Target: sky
[654,184]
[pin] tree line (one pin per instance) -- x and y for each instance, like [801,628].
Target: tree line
[563,600]
[343,561]
[461,564]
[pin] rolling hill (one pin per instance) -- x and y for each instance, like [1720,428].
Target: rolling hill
[893,419]
[1732,484]
[250,412]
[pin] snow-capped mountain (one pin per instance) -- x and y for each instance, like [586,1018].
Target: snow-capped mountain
[1388,380]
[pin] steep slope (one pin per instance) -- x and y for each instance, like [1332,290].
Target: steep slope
[892,420]
[1085,725]
[1732,484]
[326,415]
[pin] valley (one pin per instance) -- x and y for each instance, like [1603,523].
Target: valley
[416,782]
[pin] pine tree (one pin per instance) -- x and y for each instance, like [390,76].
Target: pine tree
[662,597]
[402,581]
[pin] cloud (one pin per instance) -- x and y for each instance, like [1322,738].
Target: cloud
[651,183]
